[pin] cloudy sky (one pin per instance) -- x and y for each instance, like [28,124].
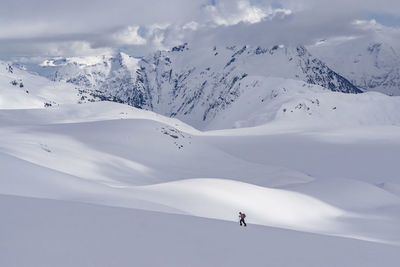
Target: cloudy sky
[90,27]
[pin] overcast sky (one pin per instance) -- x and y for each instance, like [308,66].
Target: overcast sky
[90,27]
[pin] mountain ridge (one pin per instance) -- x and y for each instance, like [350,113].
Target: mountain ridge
[192,84]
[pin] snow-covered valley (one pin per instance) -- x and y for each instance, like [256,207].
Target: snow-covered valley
[329,187]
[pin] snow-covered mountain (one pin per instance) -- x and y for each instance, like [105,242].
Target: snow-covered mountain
[372,64]
[194,84]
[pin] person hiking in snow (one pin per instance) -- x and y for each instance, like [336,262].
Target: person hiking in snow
[242,216]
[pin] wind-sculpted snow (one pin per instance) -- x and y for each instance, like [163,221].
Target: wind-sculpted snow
[223,199]
[335,184]
[113,154]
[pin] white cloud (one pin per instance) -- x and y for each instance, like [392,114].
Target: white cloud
[129,36]
[41,49]
[368,24]
[142,26]
[248,13]
[193,25]
[234,12]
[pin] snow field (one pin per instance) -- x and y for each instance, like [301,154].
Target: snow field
[47,233]
[107,158]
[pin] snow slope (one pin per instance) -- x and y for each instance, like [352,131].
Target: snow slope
[121,148]
[60,233]
[296,103]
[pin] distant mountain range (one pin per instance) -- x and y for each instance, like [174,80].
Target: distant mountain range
[192,84]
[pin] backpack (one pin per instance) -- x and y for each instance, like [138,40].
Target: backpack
[244,215]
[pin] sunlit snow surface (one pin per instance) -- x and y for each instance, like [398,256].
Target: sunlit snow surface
[105,184]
